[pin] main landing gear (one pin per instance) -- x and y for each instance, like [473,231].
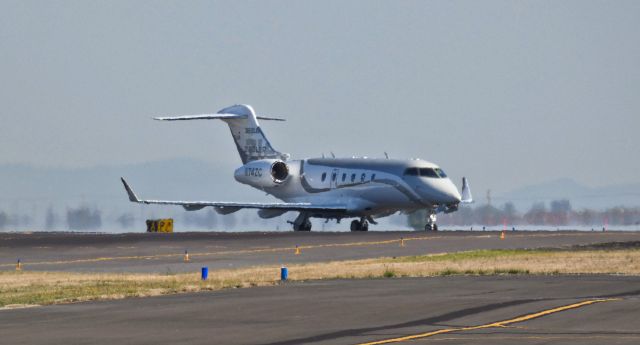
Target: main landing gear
[360,225]
[302,223]
[431,222]
[306,226]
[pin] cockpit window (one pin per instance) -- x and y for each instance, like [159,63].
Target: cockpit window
[411,172]
[440,172]
[428,172]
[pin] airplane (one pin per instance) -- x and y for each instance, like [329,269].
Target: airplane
[326,188]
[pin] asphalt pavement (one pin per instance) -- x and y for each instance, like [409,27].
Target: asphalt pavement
[162,253]
[442,310]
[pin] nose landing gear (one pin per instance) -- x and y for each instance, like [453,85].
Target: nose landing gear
[360,225]
[431,221]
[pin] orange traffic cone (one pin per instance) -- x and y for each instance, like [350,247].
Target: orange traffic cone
[297,250]
[401,241]
[502,235]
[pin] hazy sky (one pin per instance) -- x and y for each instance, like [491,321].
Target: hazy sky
[508,93]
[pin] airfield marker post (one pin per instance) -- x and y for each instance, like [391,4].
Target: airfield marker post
[186,256]
[204,273]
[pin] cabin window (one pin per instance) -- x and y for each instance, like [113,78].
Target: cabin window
[411,172]
[440,172]
[362,177]
[428,172]
[333,177]
[324,176]
[373,177]
[344,176]
[353,177]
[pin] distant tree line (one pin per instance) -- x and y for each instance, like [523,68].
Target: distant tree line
[558,213]
[13,220]
[84,218]
[206,220]
[91,218]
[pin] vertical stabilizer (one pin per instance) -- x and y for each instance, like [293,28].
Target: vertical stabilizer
[250,141]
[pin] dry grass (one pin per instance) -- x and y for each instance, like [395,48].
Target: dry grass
[38,288]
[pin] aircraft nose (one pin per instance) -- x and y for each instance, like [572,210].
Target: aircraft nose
[450,193]
[441,191]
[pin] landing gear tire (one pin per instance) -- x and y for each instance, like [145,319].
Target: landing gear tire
[357,225]
[431,227]
[431,222]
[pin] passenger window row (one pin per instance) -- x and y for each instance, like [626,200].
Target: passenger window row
[363,177]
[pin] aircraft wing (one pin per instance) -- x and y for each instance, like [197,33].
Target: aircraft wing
[230,207]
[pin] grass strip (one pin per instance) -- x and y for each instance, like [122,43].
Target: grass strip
[22,288]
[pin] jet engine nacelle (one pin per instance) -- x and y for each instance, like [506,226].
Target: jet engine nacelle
[263,173]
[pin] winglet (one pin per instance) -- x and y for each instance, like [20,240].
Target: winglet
[132,195]
[467,198]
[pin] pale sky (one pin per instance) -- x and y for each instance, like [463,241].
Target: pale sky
[507,93]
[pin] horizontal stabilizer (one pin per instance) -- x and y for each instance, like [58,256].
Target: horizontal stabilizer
[213,117]
[268,118]
[201,117]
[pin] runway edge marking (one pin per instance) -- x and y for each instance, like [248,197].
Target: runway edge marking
[502,323]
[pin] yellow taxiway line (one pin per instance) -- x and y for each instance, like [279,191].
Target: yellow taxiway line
[228,252]
[503,323]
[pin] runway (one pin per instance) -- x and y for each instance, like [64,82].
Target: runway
[146,252]
[443,310]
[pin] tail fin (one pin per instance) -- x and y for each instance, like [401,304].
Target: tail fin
[250,140]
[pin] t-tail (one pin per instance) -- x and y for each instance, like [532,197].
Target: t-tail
[249,138]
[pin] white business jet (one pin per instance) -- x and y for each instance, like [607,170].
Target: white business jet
[327,188]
